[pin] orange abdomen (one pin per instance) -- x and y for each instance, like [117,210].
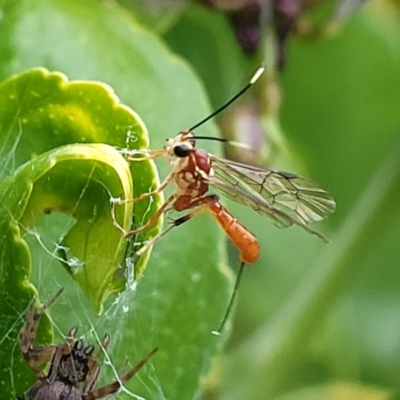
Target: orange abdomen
[243,239]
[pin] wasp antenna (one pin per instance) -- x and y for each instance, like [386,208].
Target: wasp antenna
[252,81]
[257,75]
[217,139]
[231,301]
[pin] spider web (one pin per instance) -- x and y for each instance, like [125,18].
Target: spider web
[175,306]
[129,343]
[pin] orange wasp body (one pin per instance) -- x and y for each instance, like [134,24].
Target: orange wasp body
[243,239]
[284,198]
[192,181]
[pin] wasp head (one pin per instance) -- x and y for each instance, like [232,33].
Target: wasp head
[181,145]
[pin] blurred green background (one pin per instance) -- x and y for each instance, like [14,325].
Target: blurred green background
[313,321]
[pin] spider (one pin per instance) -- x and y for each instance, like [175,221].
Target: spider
[73,370]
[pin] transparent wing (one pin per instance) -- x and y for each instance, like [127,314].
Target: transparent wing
[284,198]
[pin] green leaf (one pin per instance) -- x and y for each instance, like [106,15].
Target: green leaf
[40,111]
[156,14]
[213,30]
[185,288]
[44,111]
[55,181]
[79,181]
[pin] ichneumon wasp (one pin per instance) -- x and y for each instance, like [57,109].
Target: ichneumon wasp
[284,198]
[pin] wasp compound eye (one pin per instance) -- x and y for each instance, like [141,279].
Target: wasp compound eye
[182,150]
